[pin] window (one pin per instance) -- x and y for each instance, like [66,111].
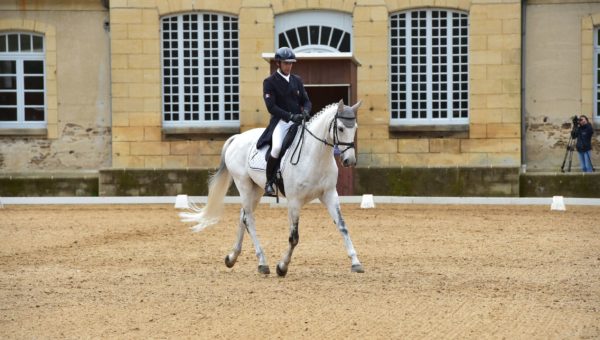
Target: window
[315,31]
[200,65]
[429,68]
[326,37]
[596,73]
[22,81]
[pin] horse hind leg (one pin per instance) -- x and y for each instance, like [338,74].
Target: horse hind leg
[231,258]
[251,199]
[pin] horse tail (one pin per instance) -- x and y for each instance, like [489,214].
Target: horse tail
[218,185]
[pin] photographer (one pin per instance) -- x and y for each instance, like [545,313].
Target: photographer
[583,133]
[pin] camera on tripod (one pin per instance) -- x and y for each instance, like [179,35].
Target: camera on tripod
[571,144]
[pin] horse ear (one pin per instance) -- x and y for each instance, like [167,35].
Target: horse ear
[356,106]
[340,106]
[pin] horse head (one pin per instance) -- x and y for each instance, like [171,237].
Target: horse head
[343,132]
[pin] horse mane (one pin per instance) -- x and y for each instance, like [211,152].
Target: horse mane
[322,112]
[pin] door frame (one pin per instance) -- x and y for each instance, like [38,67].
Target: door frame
[329,70]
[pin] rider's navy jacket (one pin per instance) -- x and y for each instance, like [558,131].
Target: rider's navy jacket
[282,99]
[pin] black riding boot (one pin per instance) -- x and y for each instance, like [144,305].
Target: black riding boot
[271,168]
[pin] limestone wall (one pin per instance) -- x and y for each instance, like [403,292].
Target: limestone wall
[493,138]
[558,78]
[78,134]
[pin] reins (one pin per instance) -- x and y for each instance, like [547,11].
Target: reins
[336,141]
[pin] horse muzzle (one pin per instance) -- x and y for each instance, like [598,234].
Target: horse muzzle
[349,161]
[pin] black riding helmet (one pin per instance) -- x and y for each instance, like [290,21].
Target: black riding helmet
[285,54]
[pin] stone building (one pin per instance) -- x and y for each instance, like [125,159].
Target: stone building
[459,96]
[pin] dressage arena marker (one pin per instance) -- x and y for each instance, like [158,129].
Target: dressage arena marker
[558,203]
[181,202]
[367,202]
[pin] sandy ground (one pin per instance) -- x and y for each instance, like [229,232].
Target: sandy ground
[430,272]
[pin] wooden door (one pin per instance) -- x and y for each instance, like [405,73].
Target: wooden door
[327,81]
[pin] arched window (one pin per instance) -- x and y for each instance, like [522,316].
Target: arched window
[314,31]
[429,65]
[22,80]
[200,65]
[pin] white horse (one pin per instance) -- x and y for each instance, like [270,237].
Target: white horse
[309,173]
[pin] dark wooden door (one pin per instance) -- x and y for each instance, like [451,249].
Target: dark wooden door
[321,96]
[327,81]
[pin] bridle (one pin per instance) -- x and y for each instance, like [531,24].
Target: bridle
[336,141]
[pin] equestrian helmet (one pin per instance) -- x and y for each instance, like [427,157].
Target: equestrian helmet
[285,54]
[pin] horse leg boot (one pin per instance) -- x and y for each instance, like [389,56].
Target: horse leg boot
[270,173]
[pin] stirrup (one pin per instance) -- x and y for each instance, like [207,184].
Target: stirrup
[269,190]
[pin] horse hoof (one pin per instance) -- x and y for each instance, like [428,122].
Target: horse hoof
[264,270]
[281,272]
[228,263]
[357,268]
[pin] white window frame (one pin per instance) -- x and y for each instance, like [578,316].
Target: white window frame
[596,116]
[426,87]
[290,24]
[19,57]
[227,95]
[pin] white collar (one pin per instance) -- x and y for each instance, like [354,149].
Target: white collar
[283,75]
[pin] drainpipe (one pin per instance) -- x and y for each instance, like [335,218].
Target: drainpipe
[106,4]
[523,87]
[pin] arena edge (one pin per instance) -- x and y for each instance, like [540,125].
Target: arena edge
[461,182]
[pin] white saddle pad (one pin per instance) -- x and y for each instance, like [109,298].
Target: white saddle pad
[257,161]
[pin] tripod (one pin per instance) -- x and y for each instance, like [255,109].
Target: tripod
[570,148]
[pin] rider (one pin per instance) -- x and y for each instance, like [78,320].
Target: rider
[288,103]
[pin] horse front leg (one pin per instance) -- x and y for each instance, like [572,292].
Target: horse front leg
[293,217]
[263,267]
[332,203]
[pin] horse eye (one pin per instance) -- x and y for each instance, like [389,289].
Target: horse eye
[341,129]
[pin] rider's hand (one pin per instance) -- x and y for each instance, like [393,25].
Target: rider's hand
[297,118]
[306,115]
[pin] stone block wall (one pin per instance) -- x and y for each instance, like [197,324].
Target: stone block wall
[461,182]
[568,185]
[161,182]
[62,186]
[493,138]
[441,182]
[77,135]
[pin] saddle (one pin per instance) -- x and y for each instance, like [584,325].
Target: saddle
[257,159]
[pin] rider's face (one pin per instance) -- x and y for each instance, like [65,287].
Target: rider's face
[285,67]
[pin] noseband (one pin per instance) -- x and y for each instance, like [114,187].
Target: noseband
[336,140]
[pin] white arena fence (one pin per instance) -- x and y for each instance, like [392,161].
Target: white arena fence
[5,201]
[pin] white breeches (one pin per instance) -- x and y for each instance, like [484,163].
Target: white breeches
[279,133]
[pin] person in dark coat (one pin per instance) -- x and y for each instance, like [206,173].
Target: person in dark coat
[584,143]
[288,103]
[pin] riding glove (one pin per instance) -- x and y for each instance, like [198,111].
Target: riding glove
[297,117]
